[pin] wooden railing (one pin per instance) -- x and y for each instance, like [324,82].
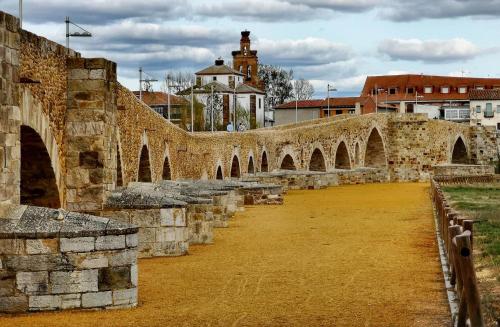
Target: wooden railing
[457,234]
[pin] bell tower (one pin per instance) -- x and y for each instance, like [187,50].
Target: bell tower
[246,61]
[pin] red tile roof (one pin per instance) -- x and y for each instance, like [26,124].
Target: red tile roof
[345,101]
[418,82]
[160,98]
[302,104]
[485,94]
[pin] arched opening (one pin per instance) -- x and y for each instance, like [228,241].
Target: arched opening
[219,173]
[287,163]
[263,165]
[251,169]
[342,157]
[317,162]
[235,168]
[357,154]
[459,154]
[119,177]
[144,168]
[38,181]
[166,175]
[375,154]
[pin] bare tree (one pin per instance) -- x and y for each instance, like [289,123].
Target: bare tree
[178,81]
[303,89]
[277,84]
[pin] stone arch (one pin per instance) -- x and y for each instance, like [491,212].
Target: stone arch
[317,161]
[38,181]
[342,159]
[264,166]
[219,174]
[375,150]
[357,154]
[144,171]
[33,116]
[287,163]
[459,153]
[251,168]
[235,167]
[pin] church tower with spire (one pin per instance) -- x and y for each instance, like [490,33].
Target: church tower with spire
[245,61]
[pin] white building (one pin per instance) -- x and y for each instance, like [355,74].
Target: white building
[226,98]
[485,107]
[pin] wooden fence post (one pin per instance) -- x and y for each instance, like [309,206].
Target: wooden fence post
[470,291]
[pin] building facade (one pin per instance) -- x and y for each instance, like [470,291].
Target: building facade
[246,61]
[485,108]
[226,98]
[159,102]
[441,97]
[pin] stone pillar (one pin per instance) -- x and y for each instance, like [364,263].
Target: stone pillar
[90,133]
[10,116]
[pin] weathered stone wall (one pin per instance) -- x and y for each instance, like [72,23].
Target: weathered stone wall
[463,170]
[10,150]
[90,133]
[51,260]
[162,232]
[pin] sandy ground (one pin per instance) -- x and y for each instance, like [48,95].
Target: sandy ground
[360,255]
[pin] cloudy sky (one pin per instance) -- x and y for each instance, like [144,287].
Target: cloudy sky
[325,41]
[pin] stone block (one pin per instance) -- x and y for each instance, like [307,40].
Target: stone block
[181,233]
[132,240]
[88,260]
[134,275]
[33,282]
[74,281]
[169,234]
[42,246]
[12,246]
[77,244]
[180,217]
[145,218]
[110,242]
[97,74]
[167,217]
[71,301]
[13,304]
[7,286]
[123,258]
[147,235]
[125,297]
[114,278]
[40,262]
[78,74]
[98,299]
[45,302]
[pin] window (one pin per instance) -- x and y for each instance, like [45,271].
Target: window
[241,69]
[479,87]
[462,89]
[488,113]
[338,112]
[478,109]
[498,126]
[393,90]
[498,108]
[198,81]
[260,103]
[410,90]
[445,89]
[428,89]
[249,72]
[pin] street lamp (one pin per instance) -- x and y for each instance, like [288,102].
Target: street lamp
[328,89]
[141,80]
[83,32]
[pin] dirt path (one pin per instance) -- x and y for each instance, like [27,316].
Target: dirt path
[360,255]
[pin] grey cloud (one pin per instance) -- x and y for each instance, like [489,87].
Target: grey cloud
[411,10]
[429,51]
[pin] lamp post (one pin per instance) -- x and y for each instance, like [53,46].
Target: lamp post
[192,107]
[82,33]
[328,89]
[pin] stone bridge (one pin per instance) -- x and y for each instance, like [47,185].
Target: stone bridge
[72,134]
[72,138]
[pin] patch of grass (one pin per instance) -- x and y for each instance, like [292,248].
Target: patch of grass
[482,203]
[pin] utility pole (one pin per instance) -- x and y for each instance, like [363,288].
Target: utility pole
[328,89]
[296,104]
[140,83]
[83,32]
[168,97]
[192,107]
[21,13]
[212,108]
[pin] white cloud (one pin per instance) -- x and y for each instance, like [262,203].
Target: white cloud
[308,51]
[429,51]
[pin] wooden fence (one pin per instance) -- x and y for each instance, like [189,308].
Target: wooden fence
[458,236]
